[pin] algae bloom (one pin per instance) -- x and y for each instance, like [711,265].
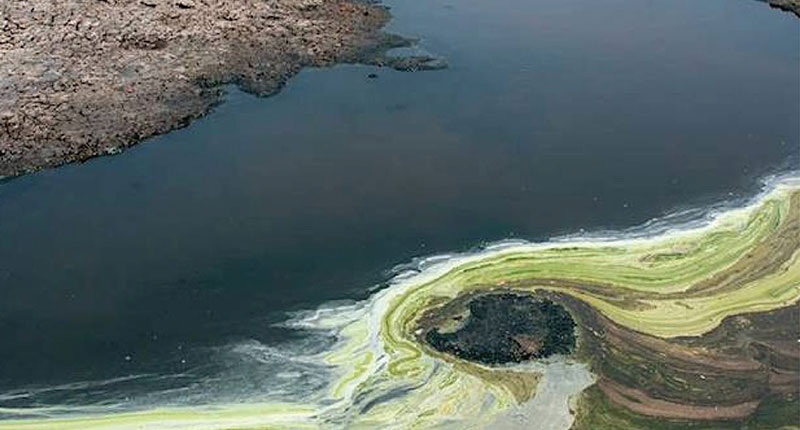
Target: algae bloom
[694,327]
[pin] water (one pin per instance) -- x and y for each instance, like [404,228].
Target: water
[158,275]
[549,408]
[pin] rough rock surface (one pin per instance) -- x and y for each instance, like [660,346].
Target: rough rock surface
[80,78]
[786,5]
[500,328]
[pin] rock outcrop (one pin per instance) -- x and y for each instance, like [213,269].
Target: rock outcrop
[80,78]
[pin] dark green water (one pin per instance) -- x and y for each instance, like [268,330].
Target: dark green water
[158,274]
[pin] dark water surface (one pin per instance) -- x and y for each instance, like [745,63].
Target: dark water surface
[554,116]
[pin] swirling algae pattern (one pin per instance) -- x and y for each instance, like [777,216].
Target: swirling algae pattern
[658,292]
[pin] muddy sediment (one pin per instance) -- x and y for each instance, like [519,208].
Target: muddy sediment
[85,78]
[728,377]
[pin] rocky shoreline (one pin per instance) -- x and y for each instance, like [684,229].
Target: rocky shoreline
[82,78]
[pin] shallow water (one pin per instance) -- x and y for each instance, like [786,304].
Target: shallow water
[550,408]
[156,276]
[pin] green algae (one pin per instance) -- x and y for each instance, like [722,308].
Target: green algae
[656,290]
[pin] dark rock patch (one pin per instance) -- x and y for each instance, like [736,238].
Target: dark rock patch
[502,328]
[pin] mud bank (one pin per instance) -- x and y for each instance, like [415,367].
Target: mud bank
[85,78]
